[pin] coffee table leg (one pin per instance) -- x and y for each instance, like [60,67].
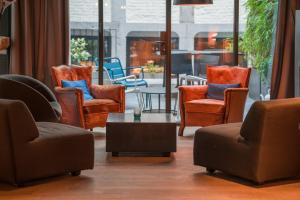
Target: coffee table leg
[115,154]
[147,100]
[159,102]
[150,102]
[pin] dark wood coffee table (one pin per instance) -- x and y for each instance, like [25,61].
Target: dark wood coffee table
[155,133]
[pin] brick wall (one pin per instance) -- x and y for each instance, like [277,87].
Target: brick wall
[145,11]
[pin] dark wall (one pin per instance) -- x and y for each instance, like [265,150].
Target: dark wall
[5,31]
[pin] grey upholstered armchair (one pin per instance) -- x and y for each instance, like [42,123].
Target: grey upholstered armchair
[40,100]
[32,150]
[265,147]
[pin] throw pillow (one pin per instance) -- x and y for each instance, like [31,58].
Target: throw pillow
[81,84]
[216,91]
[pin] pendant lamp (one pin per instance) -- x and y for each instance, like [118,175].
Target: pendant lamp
[192,2]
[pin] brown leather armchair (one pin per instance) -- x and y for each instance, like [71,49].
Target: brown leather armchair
[265,147]
[33,150]
[86,114]
[197,110]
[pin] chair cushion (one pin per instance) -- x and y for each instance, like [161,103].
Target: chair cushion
[81,84]
[100,105]
[216,91]
[205,106]
[49,130]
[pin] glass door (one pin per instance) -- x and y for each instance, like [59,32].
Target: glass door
[135,51]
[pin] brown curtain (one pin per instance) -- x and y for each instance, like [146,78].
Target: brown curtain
[282,84]
[40,37]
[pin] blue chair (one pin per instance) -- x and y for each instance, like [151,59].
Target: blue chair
[116,74]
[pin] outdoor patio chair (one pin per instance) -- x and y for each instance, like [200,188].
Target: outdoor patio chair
[117,76]
[201,65]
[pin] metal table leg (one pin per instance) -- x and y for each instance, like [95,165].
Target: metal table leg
[159,102]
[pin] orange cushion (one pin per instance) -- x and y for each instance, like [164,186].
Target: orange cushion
[101,105]
[205,106]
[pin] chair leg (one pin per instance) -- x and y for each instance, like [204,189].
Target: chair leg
[210,171]
[77,173]
[181,130]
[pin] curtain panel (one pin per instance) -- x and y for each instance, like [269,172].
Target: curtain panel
[40,37]
[282,83]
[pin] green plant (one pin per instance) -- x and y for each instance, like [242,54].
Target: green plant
[152,68]
[79,51]
[258,37]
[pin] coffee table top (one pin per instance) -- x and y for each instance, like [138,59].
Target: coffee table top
[151,118]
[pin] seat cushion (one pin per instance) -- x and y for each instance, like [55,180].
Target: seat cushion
[59,149]
[222,148]
[205,106]
[54,130]
[100,105]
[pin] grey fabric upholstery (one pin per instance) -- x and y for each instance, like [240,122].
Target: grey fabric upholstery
[265,147]
[38,97]
[30,150]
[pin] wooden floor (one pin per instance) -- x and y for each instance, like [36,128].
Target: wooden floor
[149,178]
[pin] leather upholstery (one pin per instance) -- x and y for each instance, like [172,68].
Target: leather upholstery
[86,114]
[265,147]
[197,110]
[32,150]
[71,73]
[228,75]
[205,105]
[100,105]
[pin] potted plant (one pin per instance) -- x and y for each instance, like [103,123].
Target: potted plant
[79,53]
[257,41]
[150,68]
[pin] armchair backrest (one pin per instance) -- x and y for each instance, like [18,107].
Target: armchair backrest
[17,128]
[229,75]
[71,73]
[114,68]
[273,129]
[33,83]
[38,104]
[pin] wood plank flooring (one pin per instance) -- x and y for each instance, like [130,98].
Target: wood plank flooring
[146,178]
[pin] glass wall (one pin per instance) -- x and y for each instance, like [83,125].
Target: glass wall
[84,34]
[205,37]
[262,16]
[137,30]
[135,35]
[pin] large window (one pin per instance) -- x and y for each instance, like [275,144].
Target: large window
[135,33]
